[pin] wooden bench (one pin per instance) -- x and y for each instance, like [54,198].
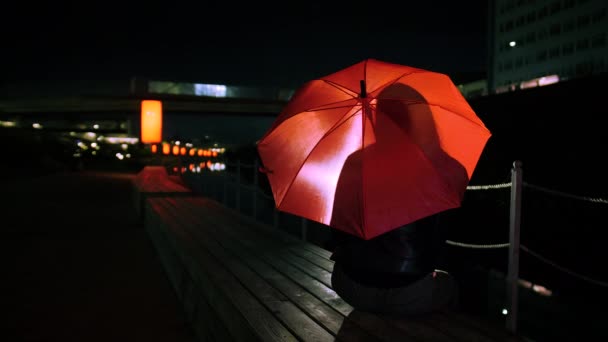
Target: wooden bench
[154,181]
[240,280]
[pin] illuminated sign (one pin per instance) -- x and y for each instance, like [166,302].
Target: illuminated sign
[151,121]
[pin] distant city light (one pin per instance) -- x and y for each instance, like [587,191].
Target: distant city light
[215,90]
[505,311]
[96,126]
[548,80]
[512,43]
[120,140]
[36,125]
[8,123]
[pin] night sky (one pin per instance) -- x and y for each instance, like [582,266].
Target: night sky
[269,45]
[282,44]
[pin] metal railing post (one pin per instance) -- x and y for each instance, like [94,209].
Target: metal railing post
[514,230]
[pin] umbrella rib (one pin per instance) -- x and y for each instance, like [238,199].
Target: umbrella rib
[432,104]
[338,123]
[393,81]
[341,88]
[325,108]
[454,113]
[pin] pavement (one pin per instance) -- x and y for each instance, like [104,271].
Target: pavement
[78,266]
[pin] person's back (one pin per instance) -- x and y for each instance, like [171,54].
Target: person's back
[395,272]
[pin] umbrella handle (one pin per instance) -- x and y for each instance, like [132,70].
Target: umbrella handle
[264,170]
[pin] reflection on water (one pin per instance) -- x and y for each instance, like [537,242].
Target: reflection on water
[200,167]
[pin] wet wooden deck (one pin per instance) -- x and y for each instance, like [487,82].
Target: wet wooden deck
[242,280]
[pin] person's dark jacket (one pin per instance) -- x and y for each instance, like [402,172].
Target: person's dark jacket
[393,259]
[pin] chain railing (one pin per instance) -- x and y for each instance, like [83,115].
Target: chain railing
[234,179]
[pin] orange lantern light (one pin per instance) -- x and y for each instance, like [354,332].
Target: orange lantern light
[214,153]
[192,151]
[154,148]
[200,153]
[182,151]
[151,121]
[175,150]
[166,148]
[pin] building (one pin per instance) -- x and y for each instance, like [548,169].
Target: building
[537,42]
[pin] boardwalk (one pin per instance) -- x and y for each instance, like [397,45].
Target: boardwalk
[78,265]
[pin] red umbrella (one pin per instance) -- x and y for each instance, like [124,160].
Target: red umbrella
[372,147]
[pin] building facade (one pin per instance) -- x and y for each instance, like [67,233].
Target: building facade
[536,42]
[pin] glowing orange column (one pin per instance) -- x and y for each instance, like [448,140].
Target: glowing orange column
[166,148]
[151,121]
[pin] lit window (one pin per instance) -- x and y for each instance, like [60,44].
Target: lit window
[215,90]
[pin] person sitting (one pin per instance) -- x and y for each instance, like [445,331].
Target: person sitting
[394,273]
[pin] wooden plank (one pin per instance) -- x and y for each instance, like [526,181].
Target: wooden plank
[318,310]
[267,249]
[323,292]
[245,317]
[286,311]
[168,259]
[310,268]
[201,316]
[271,232]
[207,325]
[289,250]
[318,250]
[438,328]
[315,258]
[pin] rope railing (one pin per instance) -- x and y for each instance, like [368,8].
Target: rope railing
[489,187]
[563,194]
[534,254]
[477,246]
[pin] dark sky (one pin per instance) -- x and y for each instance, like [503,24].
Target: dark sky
[280,44]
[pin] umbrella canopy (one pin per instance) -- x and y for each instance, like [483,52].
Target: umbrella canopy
[372,147]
